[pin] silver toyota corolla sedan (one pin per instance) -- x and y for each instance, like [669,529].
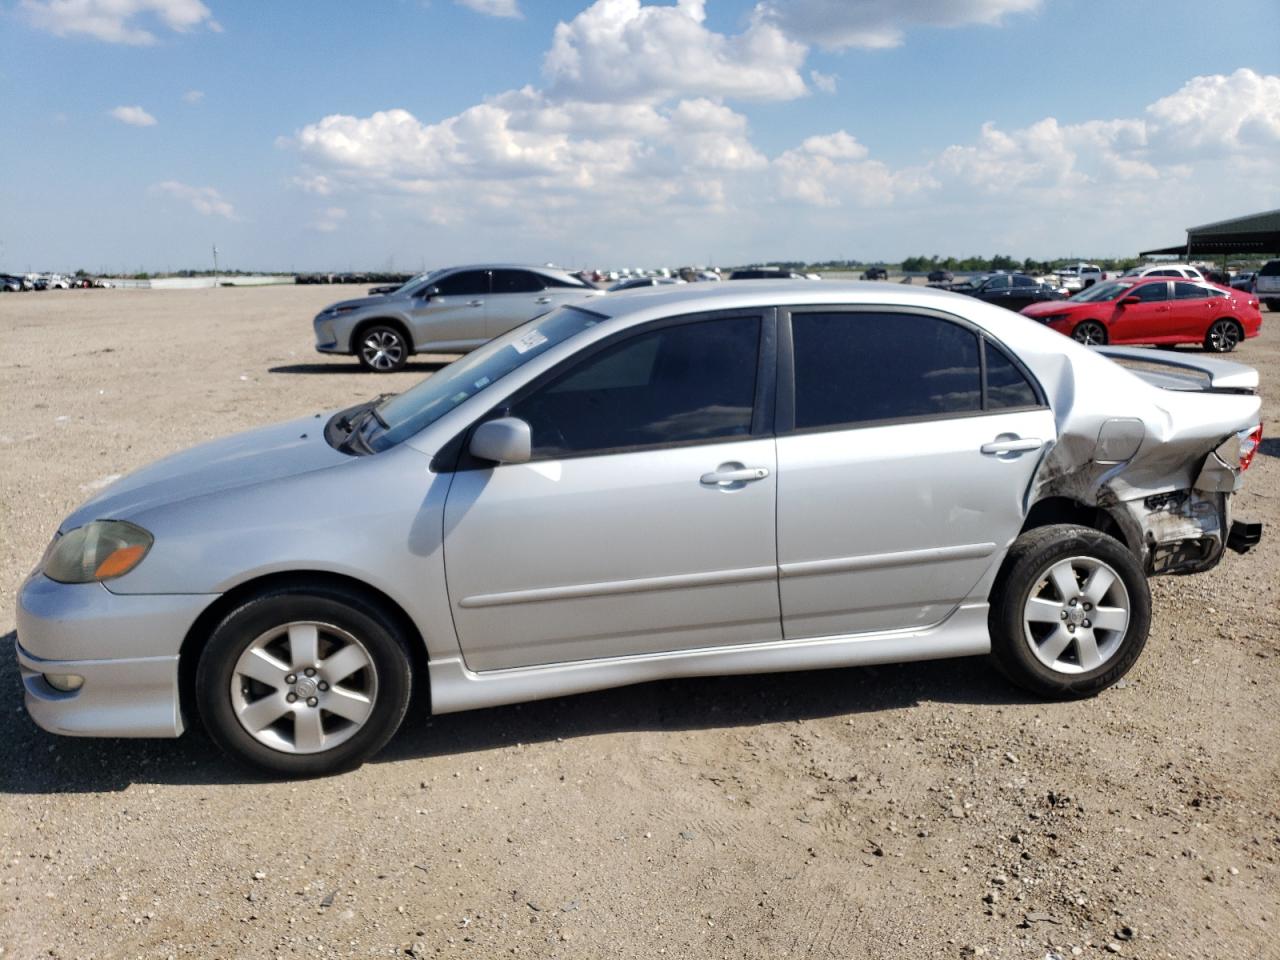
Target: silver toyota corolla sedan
[453,310]
[709,479]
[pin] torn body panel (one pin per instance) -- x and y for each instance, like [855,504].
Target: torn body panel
[1160,463]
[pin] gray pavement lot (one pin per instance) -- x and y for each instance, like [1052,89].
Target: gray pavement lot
[924,810]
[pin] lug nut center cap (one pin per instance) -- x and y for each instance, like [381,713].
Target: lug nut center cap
[1075,616]
[306,687]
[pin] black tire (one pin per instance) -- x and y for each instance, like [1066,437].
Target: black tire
[1090,332]
[1223,335]
[264,612]
[1024,572]
[381,348]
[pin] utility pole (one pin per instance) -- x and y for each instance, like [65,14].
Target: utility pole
[215,266]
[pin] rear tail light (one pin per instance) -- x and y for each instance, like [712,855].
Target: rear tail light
[1250,440]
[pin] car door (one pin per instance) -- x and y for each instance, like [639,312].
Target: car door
[452,317]
[1146,321]
[997,290]
[1192,309]
[515,296]
[644,521]
[1022,292]
[902,472]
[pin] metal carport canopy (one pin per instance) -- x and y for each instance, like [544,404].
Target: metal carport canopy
[1256,233]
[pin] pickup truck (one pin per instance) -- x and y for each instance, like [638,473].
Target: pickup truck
[1266,285]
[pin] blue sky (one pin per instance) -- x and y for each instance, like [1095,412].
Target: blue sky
[336,136]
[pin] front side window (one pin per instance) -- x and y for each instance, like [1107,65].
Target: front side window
[862,367]
[516,281]
[1151,292]
[678,384]
[464,283]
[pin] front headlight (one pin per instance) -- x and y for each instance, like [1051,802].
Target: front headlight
[1052,318]
[100,550]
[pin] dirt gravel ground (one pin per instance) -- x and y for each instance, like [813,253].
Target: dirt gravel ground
[917,811]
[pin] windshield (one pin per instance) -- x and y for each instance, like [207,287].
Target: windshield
[1101,291]
[407,413]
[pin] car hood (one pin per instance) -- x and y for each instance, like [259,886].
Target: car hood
[1046,307]
[361,302]
[243,459]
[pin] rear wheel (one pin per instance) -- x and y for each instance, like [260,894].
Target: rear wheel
[303,681]
[382,348]
[1090,332]
[1223,336]
[1071,612]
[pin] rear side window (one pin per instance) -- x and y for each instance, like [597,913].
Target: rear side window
[1007,386]
[862,367]
[516,281]
[1023,282]
[678,384]
[1189,291]
[1270,269]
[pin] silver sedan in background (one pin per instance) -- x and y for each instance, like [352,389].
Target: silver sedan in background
[683,481]
[453,310]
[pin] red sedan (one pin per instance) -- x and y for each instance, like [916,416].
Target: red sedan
[1156,310]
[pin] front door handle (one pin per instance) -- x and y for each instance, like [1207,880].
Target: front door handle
[734,473]
[1012,445]
[543,300]
[475,303]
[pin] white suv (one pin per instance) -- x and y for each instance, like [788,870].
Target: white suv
[1266,285]
[1182,270]
[1080,276]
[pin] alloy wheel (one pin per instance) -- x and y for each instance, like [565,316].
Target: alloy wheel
[1076,615]
[382,349]
[1223,336]
[1090,334]
[304,687]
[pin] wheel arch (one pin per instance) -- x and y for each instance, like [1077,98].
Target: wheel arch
[1051,510]
[200,631]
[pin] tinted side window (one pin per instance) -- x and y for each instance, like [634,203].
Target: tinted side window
[695,381]
[557,282]
[1024,282]
[1151,292]
[1189,291]
[998,283]
[1006,385]
[1164,273]
[859,367]
[464,283]
[516,281]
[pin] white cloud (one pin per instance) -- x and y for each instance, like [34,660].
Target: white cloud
[317,184]
[134,116]
[1219,114]
[833,170]
[205,200]
[493,8]
[116,21]
[193,96]
[623,51]
[825,82]
[329,219]
[874,24]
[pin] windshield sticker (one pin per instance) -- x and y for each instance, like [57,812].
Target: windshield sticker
[533,338]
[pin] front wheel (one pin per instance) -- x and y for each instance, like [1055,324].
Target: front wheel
[1223,336]
[1070,613]
[382,348]
[1090,333]
[303,681]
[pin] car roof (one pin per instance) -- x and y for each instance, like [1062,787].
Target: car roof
[747,294]
[533,267]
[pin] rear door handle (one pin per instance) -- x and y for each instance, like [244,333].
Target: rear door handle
[1012,445]
[475,303]
[734,475]
[543,300]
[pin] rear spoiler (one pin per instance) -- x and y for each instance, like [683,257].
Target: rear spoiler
[1179,371]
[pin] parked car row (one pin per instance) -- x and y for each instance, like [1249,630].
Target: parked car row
[386,278]
[14,283]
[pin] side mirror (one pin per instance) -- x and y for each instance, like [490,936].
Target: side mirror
[429,292]
[1129,301]
[506,440]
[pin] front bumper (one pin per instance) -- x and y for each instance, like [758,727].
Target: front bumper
[326,338]
[125,647]
[137,697]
